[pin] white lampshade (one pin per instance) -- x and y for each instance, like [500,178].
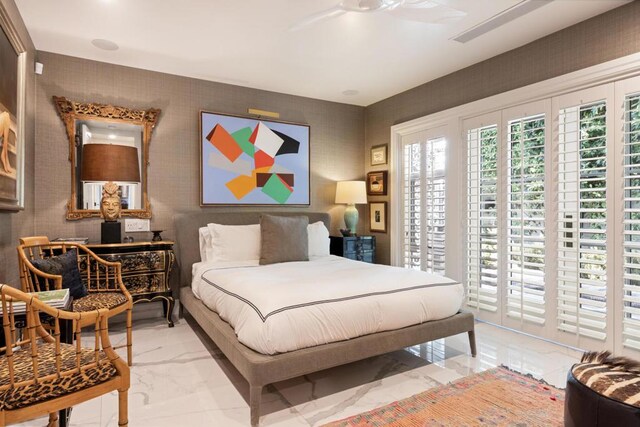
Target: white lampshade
[351,192]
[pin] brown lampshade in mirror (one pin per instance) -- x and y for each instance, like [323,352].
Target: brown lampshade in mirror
[110,162]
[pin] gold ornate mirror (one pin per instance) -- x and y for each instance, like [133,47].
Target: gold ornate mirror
[88,123]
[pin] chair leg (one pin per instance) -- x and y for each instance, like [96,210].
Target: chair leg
[123,408]
[129,337]
[53,420]
[472,342]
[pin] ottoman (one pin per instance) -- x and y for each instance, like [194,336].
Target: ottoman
[603,391]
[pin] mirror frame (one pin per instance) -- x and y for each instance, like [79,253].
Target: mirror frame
[70,112]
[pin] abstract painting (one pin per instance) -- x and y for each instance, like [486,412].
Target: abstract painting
[11,145]
[246,161]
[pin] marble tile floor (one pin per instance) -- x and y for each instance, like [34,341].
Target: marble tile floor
[180,378]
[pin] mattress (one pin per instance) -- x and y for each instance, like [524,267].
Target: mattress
[288,306]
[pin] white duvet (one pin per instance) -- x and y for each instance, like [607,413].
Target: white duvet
[288,306]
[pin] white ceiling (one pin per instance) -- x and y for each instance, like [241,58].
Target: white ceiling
[248,42]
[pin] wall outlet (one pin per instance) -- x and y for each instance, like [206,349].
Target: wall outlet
[135,225]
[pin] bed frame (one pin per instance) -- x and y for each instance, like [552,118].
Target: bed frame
[260,369]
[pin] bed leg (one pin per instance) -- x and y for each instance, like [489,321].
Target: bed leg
[180,311]
[472,342]
[255,396]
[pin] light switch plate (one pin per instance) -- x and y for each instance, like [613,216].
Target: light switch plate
[133,225]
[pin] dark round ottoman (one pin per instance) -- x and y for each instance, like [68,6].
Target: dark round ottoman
[603,391]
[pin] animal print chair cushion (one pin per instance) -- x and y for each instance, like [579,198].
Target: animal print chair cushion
[20,396]
[617,378]
[98,300]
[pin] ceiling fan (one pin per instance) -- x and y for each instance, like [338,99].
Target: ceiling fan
[427,11]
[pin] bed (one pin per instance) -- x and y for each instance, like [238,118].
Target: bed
[292,359]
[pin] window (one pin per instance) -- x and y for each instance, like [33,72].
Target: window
[424,205]
[582,229]
[543,221]
[509,201]
[525,291]
[482,218]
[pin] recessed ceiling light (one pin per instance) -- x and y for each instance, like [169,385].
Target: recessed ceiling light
[350,92]
[104,44]
[112,136]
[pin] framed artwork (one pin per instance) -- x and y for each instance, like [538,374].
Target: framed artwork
[247,161]
[12,101]
[378,217]
[379,155]
[377,183]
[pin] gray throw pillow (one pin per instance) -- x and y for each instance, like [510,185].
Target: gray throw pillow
[283,239]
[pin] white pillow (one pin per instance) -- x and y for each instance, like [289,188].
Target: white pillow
[318,239]
[206,250]
[234,242]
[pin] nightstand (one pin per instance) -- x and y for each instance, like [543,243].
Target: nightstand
[146,267]
[359,248]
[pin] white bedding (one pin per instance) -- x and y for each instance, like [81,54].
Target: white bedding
[288,306]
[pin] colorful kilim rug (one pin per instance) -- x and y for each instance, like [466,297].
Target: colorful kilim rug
[497,397]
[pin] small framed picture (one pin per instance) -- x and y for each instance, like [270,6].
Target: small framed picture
[377,183]
[379,155]
[378,217]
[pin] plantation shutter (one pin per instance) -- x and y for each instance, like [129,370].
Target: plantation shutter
[435,156]
[482,218]
[631,222]
[424,205]
[412,205]
[525,293]
[551,244]
[582,263]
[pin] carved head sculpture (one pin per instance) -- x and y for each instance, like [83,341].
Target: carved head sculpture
[110,204]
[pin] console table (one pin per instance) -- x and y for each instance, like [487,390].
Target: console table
[146,267]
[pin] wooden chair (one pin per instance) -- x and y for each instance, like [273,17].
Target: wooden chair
[102,279]
[34,240]
[39,375]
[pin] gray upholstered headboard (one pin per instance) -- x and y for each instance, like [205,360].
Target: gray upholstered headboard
[187,245]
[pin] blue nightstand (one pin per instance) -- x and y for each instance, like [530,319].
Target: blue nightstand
[359,248]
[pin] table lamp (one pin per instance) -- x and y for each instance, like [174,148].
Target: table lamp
[351,192]
[109,163]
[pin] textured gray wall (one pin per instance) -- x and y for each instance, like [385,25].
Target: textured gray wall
[337,137]
[14,225]
[605,37]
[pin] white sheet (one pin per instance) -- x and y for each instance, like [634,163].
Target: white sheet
[288,306]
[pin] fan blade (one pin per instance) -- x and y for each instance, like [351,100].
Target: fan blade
[419,4]
[317,17]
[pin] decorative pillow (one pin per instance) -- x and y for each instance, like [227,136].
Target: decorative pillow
[234,242]
[318,239]
[65,265]
[206,247]
[284,239]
